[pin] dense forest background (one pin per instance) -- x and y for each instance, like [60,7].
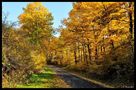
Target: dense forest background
[97,39]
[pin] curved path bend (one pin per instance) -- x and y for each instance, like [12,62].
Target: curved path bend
[72,80]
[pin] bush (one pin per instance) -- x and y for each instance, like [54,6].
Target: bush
[16,60]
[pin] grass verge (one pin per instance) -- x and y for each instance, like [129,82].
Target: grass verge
[103,83]
[45,79]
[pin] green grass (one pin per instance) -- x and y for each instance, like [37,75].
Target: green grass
[46,79]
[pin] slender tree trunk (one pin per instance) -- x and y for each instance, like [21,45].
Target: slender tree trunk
[75,56]
[86,55]
[67,55]
[101,49]
[98,50]
[96,55]
[130,25]
[130,20]
[112,44]
[104,49]
[83,53]
[89,52]
[78,52]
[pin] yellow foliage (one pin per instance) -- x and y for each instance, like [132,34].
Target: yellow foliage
[39,59]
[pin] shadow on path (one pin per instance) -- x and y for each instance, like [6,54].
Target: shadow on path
[73,81]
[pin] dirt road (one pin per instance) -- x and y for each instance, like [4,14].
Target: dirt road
[72,80]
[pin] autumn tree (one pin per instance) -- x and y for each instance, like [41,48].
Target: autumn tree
[99,35]
[36,20]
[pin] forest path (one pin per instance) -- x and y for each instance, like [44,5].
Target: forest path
[72,80]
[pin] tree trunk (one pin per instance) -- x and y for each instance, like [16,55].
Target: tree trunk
[89,52]
[81,54]
[84,53]
[130,20]
[96,55]
[75,56]
[130,25]
[78,52]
